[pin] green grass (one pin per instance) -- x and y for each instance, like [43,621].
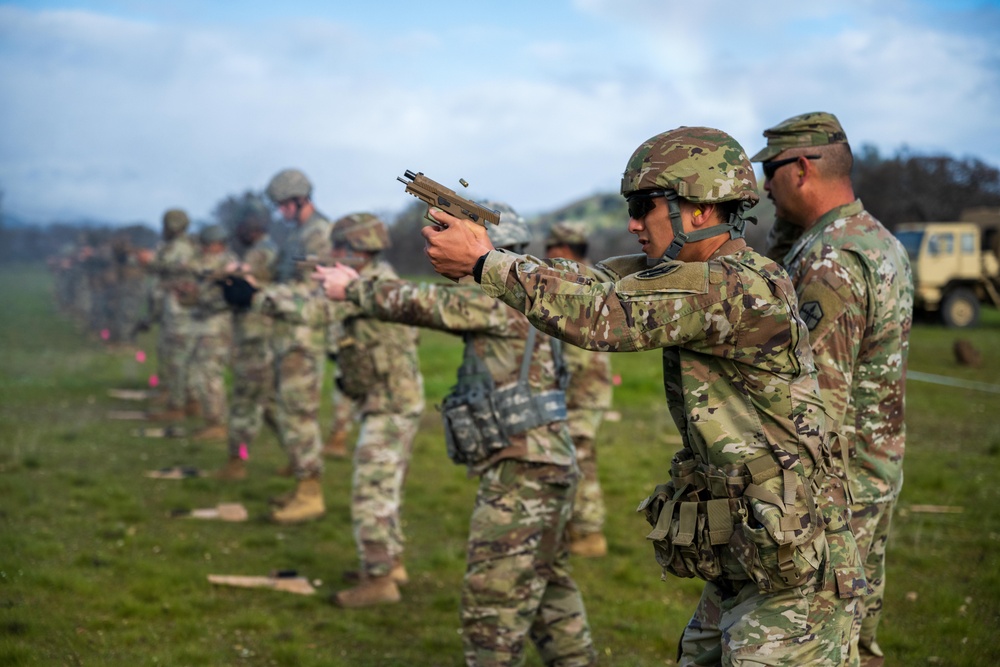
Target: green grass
[94,572]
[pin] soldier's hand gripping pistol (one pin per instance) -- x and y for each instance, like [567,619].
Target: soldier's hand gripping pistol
[434,194]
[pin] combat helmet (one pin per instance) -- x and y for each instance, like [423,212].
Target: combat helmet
[700,164]
[212,234]
[175,223]
[360,232]
[288,184]
[512,232]
[567,232]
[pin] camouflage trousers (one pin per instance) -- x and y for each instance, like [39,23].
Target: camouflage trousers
[207,375]
[381,461]
[178,354]
[252,400]
[588,507]
[298,382]
[517,581]
[871,524]
[808,625]
[344,410]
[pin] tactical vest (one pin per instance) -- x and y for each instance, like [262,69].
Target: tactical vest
[753,522]
[480,418]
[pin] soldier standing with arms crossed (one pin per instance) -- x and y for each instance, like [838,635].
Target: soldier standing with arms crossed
[517,582]
[588,396]
[749,507]
[855,294]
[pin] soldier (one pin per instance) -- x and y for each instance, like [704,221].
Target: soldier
[175,345]
[855,295]
[252,397]
[380,370]
[588,396]
[212,329]
[517,582]
[750,507]
[297,340]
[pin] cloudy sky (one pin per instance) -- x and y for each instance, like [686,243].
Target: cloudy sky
[119,109]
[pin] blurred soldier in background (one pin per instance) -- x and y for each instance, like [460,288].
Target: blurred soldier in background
[855,294]
[175,345]
[380,371]
[129,297]
[588,396]
[252,399]
[298,343]
[751,507]
[212,331]
[517,582]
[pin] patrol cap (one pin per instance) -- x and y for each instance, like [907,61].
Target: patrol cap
[567,232]
[817,128]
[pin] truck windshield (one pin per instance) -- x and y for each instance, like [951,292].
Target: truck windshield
[911,241]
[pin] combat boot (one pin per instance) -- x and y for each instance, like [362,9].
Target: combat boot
[211,432]
[398,574]
[336,445]
[169,415]
[235,468]
[369,591]
[306,505]
[591,545]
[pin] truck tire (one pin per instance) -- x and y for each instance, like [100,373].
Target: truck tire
[960,309]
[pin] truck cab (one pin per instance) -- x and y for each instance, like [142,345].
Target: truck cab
[953,270]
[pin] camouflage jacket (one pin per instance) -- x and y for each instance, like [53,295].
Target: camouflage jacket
[310,239]
[211,314]
[855,294]
[261,258]
[172,256]
[299,310]
[737,369]
[384,353]
[497,335]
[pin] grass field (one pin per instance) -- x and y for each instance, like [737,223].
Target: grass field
[93,571]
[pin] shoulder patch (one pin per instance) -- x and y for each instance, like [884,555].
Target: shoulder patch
[811,313]
[668,278]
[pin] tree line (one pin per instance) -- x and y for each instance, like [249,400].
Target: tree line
[903,187]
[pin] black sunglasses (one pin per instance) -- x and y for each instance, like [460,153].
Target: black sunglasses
[641,203]
[772,166]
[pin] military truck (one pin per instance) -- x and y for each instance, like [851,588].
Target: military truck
[955,268]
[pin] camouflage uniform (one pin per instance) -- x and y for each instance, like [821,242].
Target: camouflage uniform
[742,509]
[855,294]
[212,330]
[175,346]
[253,359]
[300,317]
[381,372]
[588,397]
[517,582]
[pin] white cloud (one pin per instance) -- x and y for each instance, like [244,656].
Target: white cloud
[122,119]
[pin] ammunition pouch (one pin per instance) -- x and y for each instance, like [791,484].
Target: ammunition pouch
[361,367]
[753,522]
[480,419]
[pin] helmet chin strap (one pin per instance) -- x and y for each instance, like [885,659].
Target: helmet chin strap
[734,226]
